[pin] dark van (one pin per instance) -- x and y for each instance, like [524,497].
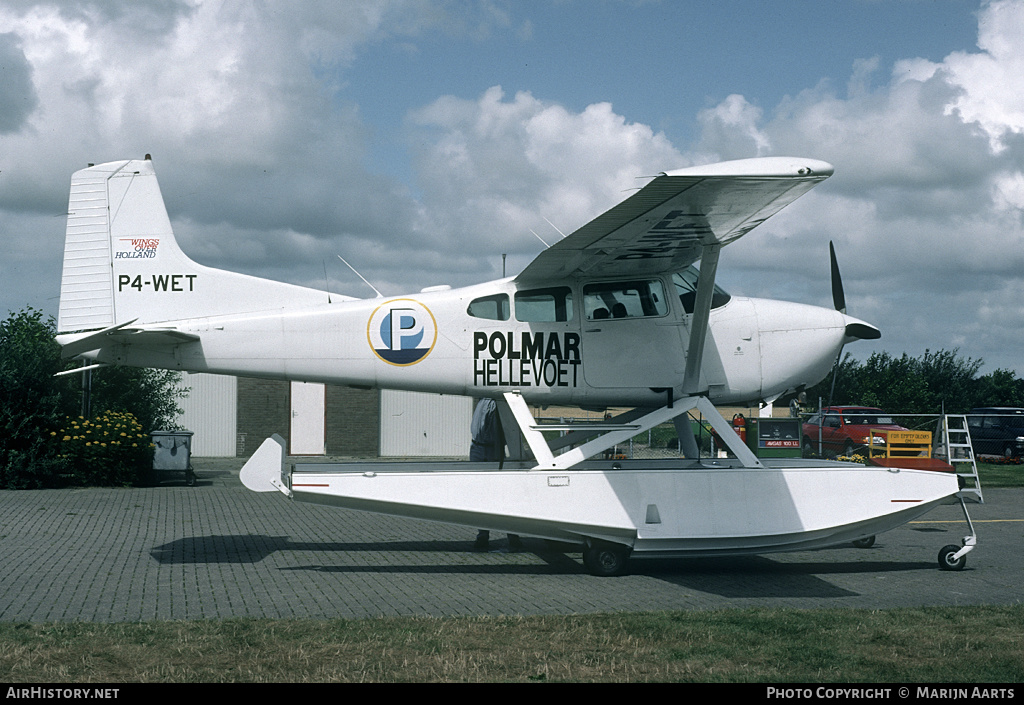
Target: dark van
[997,430]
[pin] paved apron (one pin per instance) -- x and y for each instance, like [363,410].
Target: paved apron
[218,550]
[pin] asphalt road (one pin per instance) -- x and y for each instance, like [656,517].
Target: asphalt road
[217,550]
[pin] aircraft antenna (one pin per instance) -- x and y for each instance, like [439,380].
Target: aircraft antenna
[379,295]
[539,237]
[555,227]
[327,282]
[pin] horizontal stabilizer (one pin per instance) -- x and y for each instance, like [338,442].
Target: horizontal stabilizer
[121,334]
[76,344]
[80,370]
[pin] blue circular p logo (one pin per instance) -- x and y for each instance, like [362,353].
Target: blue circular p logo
[401,332]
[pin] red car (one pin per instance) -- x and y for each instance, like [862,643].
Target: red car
[846,430]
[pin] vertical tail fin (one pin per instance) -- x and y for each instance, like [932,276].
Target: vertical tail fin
[86,287]
[121,261]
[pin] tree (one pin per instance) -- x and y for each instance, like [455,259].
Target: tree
[936,382]
[33,402]
[894,384]
[999,388]
[35,405]
[847,381]
[950,379]
[150,395]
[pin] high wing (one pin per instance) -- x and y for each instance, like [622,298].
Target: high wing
[665,226]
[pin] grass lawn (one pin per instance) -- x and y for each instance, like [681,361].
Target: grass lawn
[1000,475]
[930,645]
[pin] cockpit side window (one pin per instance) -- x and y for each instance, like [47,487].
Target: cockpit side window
[550,305]
[686,289]
[624,299]
[493,308]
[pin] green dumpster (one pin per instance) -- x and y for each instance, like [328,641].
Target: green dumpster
[774,438]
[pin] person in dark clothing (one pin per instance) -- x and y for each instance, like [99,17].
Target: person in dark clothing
[484,430]
[487,446]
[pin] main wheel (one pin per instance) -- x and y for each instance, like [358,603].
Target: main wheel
[946,560]
[605,559]
[866,542]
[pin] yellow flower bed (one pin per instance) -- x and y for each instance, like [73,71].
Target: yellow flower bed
[110,449]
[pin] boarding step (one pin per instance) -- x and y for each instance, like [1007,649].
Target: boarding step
[956,437]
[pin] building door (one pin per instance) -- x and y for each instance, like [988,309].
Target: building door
[420,425]
[308,422]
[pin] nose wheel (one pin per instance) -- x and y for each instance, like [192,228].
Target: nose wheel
[949,560]
[953,557]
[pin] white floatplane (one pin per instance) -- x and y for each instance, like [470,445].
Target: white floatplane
[614,315]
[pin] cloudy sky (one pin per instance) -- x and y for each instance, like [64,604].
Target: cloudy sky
[422,139]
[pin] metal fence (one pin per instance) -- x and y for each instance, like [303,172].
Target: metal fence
[992,434]
[659,442]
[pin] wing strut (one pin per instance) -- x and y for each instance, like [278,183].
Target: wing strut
[701,314]
[695,356]
[625,426]
[620,430]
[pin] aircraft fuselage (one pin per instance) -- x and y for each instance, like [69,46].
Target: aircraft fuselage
[556,345]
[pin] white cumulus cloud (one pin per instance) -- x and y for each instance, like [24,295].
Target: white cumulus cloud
[266,161]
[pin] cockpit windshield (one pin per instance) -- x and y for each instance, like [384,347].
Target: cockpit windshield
[686,289]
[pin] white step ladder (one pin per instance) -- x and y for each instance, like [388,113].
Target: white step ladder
[957,438]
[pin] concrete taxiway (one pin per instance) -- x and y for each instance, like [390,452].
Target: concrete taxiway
[217,550]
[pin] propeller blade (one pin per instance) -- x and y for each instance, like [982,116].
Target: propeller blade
[838,297]
[835,371]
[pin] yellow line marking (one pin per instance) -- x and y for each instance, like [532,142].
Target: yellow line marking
[961,521]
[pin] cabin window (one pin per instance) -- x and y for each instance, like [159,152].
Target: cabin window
[625,299]
[686,289]
[493,308]
[550,305]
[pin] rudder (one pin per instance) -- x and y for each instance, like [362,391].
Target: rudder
[122,263]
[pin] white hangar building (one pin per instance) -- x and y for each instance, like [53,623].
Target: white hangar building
[232,416]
